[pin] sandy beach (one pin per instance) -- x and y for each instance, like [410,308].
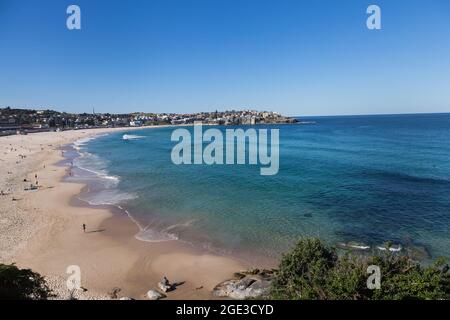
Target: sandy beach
[42,230]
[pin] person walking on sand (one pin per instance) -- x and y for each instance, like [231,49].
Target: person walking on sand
[84,227]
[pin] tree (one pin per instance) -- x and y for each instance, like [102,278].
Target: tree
[22,284]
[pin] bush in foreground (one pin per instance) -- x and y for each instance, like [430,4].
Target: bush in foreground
[313,270]
[21,284]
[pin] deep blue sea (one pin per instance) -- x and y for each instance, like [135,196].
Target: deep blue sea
[347,179]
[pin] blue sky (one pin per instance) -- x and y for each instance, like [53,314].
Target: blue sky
[296,57]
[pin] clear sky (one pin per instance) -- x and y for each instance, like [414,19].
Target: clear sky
[297,57]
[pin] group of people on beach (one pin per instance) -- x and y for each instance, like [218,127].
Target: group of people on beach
[9,172]
[32,186]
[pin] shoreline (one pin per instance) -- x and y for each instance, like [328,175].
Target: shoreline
[83,173]
[108,254]
[138,217]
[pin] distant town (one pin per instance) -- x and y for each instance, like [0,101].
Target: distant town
[24,121]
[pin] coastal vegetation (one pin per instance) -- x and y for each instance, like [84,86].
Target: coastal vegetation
[22,284]
[312,270]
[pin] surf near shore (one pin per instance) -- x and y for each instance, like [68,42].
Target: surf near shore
[41,229]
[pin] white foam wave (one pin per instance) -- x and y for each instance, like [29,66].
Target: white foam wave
[100,174]
[151,235]
[81,142]
[77,144]
[178,225]
[108,197]
[356,246]
[392,249]
[93,164]
[359,247]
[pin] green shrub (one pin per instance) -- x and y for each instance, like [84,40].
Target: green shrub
[21,284]
[302,272]
[312,270]
[404,279]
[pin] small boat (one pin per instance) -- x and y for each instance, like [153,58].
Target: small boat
[131,137]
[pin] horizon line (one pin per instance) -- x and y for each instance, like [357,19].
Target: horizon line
[374,114]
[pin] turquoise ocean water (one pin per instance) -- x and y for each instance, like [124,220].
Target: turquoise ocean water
[363,179]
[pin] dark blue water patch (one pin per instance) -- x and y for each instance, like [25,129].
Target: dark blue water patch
[400,178]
